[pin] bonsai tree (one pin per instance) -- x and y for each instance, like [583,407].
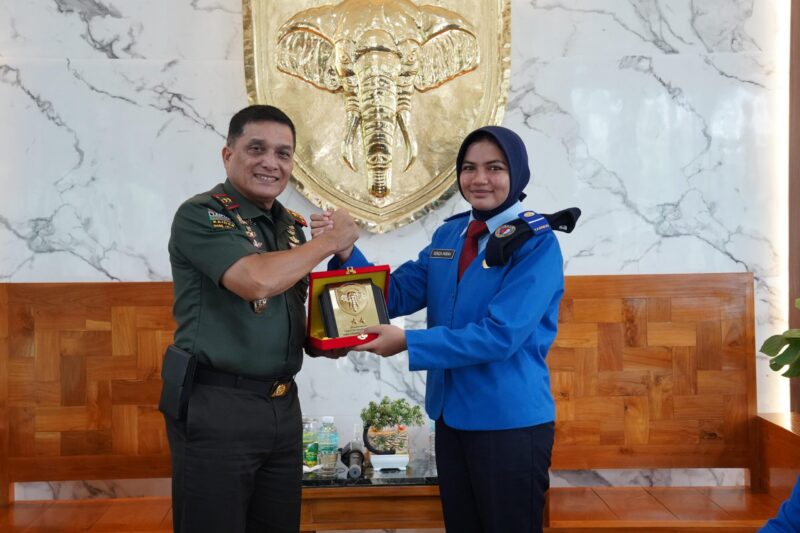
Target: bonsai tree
[784,349]
[389,414]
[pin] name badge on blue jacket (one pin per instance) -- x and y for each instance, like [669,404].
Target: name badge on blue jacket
[442,254]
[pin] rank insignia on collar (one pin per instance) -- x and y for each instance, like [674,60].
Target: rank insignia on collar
[298,218]
[225,200]
[504,231]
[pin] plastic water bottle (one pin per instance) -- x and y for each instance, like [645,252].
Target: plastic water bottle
[328,441]
[310,446]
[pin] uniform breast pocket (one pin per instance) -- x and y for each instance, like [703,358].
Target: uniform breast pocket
[482,284]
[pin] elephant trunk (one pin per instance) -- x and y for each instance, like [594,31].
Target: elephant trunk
[377,79]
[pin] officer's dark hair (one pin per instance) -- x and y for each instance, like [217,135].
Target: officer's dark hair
[257,113]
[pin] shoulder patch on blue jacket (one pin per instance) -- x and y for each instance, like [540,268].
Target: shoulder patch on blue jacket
[457,215]
[535,221]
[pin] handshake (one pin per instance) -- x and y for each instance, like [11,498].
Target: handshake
[338,226]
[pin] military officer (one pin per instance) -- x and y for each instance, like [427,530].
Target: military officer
[240,262]
[491,280]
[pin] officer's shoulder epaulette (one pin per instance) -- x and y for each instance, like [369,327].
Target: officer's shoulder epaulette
[510,236]
[225,201]
[457,215]
[505,240]
[298,218]
[538,223]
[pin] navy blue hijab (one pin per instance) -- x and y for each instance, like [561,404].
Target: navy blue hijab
[518,171]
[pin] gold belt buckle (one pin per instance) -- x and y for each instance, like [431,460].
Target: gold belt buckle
[279,389]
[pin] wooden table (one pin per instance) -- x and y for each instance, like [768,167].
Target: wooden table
[396,500]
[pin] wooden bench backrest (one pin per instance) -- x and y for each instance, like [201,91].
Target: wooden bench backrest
[80,371]
[647,371]
[655,371]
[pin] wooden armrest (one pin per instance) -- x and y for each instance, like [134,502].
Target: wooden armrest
[779,452]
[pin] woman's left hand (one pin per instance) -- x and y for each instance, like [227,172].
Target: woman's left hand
[391,340]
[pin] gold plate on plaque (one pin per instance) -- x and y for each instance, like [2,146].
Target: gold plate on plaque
[382,93]
[349,307]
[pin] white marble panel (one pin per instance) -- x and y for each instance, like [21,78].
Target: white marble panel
[557,28]
[84,490]
[108,151]
[119,29]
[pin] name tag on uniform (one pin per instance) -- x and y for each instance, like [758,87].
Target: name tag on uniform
[442,254]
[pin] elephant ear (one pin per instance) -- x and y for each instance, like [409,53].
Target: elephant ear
[305,49]
[449,49]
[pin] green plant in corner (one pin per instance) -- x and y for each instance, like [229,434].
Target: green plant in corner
[784,349]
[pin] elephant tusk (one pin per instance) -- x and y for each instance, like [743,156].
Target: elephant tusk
[403,118]
[347,144]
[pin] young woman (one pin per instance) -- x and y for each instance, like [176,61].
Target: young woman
[490,325]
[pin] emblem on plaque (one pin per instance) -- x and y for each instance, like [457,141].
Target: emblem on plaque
[349,307]
[382,93]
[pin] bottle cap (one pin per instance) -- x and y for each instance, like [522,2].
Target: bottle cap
[327,420]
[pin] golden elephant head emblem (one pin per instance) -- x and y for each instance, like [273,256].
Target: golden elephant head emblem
[377,53]
[382,92]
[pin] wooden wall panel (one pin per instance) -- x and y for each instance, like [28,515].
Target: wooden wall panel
[81,383]
[647,371]
[673,366]
[6,493]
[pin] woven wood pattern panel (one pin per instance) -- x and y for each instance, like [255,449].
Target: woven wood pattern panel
[655,371]
[647,371]
[83,377]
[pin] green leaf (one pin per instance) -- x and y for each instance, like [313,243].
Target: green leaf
[793,372]
[787,357]
[773,345]
[797,303]
[792,333]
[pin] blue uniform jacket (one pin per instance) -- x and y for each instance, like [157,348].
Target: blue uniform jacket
[488,335]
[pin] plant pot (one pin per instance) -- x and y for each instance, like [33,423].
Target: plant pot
[388,446]
[386,441]
[397,461]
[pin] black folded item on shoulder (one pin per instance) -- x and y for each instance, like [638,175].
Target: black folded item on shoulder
[177,374]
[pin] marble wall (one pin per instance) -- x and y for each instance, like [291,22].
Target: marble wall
[664,120]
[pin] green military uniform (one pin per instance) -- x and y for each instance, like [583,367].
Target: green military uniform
[237,456]
[210,232]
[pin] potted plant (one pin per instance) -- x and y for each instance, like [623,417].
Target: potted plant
[385,433]
[784,349]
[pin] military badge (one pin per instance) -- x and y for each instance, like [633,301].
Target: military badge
[504,231]
[220,221]
[250,232]
[259,305]
[291,234]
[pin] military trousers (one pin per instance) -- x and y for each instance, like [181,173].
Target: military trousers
[236,462]
[493,481]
